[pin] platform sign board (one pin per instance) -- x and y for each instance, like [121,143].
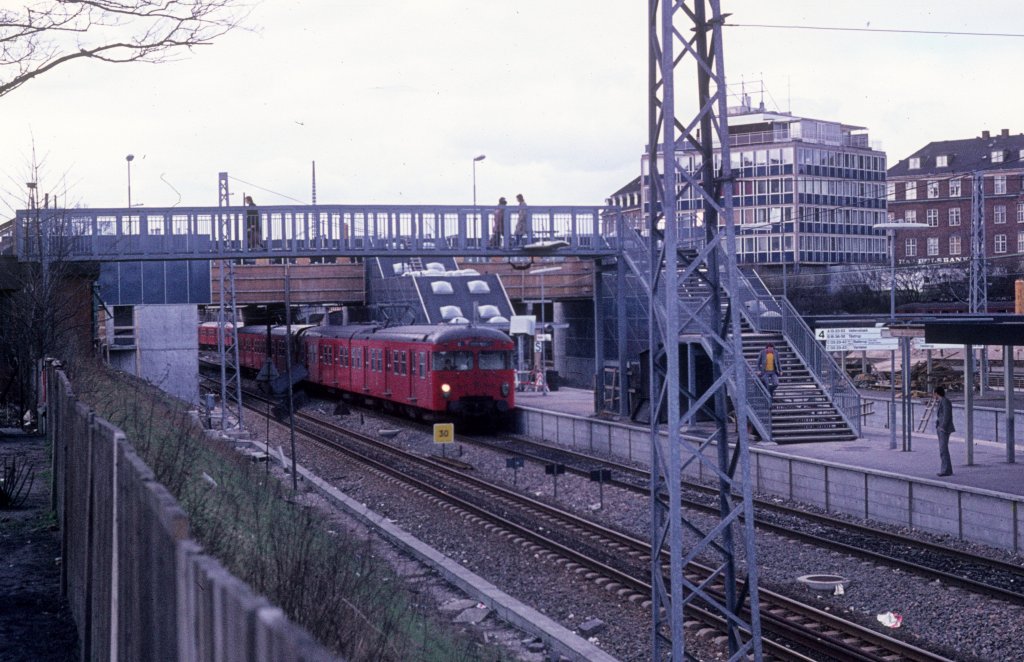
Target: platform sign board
[856,339]
[919,343]
[444,433]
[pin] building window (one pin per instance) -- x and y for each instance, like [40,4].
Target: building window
[954,244]
[1000,243]
[997,156]
[910,191]
[933,188]
[911,247]
[915,163]
[941,161]
[933,217]
[999,214]
[910,216]
[1020,241]
[890,190]
[1020,212]
[1000,184]
[954,216]
[954,188]
[933,246]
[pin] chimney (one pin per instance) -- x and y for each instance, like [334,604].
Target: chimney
[985,135]
[1005,133]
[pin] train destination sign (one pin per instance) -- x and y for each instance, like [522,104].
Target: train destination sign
[856,339]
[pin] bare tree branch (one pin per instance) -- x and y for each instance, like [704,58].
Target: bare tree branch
[48,33]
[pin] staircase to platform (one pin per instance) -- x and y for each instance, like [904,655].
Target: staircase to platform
[815,400]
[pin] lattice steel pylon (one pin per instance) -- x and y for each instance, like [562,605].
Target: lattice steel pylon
[695,26]
[979,272]
[227,312]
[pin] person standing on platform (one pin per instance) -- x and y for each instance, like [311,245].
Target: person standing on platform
[520,231]
[769,368]
[498,229]
[943,428]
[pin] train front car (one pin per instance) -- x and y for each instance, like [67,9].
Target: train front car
[471,372]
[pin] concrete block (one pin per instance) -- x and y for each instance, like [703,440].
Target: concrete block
[935,509]
[888,500]
[846,492]
[988,519]
[809,483]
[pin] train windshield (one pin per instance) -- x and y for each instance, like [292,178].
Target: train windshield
[495,360]
[452,361]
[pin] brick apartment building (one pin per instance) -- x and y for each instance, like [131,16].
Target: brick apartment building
[934,186]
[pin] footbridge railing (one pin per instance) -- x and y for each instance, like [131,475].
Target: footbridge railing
[109,234]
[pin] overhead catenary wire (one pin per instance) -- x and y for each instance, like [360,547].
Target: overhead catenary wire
[827,28]
[282,195]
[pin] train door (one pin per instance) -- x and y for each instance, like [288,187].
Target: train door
[420,383]
[312,364]
[388,381]
[344,379]
[358,371]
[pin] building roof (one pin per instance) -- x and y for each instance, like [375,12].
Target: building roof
[967,155]
[632,187]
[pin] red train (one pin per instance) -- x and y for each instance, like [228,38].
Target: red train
[436,371]
[208,335]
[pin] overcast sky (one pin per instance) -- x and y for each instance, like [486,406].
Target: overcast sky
[394,99]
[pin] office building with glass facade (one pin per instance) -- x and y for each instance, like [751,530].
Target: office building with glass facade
[807,192]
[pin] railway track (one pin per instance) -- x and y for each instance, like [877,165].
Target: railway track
[990,577]
[616,561]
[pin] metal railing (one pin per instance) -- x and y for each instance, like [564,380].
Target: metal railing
[111,234]
[699,321]
[766,313]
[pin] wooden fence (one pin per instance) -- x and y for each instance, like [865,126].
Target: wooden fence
[139,588]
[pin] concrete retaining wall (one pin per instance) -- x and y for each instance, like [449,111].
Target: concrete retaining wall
[138,587]
[966,513]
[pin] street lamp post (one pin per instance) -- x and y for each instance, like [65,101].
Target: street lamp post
[129,159]
[890,229]
[543,324]
[476,160]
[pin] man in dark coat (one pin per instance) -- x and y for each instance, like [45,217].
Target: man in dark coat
[943,428]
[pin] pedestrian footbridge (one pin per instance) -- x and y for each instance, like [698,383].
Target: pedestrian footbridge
[315,231]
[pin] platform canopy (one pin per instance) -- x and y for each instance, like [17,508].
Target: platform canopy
[991,330]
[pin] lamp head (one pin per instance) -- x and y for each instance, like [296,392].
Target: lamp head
[129,158]
[480,158]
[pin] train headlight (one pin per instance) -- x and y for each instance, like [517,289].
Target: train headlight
[504,390]
[446,391]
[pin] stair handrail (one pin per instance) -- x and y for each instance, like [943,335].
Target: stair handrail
[771,313]
[759,402]
[822,367]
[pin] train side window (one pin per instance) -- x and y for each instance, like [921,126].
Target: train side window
[423,365]
[357,357]
[405,362]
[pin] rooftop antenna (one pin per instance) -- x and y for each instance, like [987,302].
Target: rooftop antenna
[314,182]
[762,93]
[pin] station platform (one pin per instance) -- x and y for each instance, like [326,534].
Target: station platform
[982,502]
[990,470]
